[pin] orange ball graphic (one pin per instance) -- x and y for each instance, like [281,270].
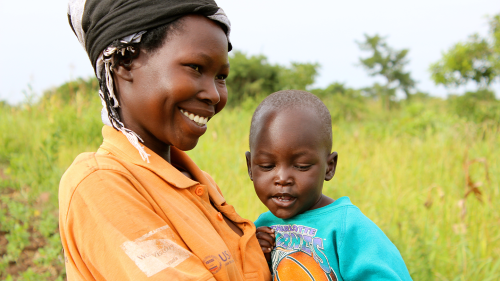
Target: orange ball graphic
[299,266]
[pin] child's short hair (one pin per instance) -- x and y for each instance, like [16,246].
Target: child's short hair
[294,99]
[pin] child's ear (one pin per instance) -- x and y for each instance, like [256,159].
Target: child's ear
[331,165]
[249,165]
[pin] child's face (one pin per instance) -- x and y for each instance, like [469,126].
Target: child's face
[289,160]
[184,76]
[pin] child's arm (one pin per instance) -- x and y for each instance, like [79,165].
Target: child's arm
[266,238]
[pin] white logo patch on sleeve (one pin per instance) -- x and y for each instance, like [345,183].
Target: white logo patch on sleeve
[154,251]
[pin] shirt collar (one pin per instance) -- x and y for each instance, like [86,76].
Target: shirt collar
[118,145]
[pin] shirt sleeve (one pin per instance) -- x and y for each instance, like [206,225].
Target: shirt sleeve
[112,232]
[365,252]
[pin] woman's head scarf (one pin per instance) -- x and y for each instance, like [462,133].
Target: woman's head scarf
[106,28]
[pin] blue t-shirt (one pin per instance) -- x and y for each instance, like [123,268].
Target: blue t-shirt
[335,242]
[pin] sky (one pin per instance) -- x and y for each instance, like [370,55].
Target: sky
[39,50]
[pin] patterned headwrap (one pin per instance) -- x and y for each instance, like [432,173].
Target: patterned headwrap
[108,28]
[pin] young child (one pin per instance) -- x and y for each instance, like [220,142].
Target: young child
[312,236]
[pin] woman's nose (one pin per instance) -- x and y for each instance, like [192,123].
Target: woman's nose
[210,93]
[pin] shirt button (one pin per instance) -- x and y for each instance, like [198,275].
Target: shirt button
[220,217]
[199,191]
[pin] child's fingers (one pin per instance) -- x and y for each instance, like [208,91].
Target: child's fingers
[265,237]
[266,250]
[265,243]
[265,229]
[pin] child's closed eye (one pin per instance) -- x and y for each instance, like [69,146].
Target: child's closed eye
[303,167]
[266,167]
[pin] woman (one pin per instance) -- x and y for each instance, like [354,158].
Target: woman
[135,211]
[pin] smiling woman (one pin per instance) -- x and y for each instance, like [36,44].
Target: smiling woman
[188,73]
[135,211]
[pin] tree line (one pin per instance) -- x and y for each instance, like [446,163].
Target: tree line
[474,60]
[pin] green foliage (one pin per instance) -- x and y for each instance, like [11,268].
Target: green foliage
[250,76]
[51,252]
[254,76]
[18,239]
[39,139]
[477,60]
[70,90]
[344,103]
[389,63]
[495,33]
[4,105]
[299,76]
[479,106]
[31,275]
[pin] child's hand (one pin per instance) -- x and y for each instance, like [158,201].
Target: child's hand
[266,238]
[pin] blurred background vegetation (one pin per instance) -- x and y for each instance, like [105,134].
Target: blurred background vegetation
[425,169]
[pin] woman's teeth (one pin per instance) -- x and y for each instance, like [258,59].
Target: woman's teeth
[199,120]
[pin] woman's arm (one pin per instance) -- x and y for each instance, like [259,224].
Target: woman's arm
[111,232]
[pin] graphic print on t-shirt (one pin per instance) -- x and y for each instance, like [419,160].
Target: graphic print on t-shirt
[299,255]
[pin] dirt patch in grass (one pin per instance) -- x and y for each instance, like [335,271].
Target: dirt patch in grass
[27,259]
[29,254]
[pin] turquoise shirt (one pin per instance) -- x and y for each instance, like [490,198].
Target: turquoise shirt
[336,242]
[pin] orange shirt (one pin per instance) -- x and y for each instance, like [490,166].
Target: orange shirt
[124,219]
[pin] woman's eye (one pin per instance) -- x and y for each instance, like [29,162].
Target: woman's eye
[221,77]
[195,67]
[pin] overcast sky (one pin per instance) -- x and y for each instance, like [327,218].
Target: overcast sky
[39,49]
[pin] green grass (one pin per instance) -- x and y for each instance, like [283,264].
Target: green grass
[390,165]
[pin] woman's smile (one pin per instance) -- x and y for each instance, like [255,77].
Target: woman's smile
[200,120]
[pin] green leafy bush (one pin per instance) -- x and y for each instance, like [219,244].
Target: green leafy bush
[478,106]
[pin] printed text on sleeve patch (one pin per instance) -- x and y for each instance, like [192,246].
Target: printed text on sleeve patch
[154,251]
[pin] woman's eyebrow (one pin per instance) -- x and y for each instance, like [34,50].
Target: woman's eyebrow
[207,58]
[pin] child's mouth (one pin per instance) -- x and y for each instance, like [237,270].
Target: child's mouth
[283,200]
[199,120]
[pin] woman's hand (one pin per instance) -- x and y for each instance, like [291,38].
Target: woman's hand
[266,238]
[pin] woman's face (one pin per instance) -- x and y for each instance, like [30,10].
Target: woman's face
[186,76]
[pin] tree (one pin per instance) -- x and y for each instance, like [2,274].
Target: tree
[298,76]
[389,63]
[252,76]
[475,60]
[344,103]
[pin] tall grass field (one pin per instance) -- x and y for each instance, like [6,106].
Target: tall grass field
[429,179]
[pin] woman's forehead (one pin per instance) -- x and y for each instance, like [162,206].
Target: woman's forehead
[199,32]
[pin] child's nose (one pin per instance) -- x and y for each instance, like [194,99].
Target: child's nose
[283,177]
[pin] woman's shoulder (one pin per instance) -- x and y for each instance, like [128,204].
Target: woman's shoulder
[88,163]
[90,167]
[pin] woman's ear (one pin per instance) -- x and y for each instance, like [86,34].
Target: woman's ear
[249,164]
[124,72]
[331,165]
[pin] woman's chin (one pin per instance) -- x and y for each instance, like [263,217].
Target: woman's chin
[187,144]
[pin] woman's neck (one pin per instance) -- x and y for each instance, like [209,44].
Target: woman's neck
[163,150]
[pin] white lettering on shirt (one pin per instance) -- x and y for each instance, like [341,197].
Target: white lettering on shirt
[156,254]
